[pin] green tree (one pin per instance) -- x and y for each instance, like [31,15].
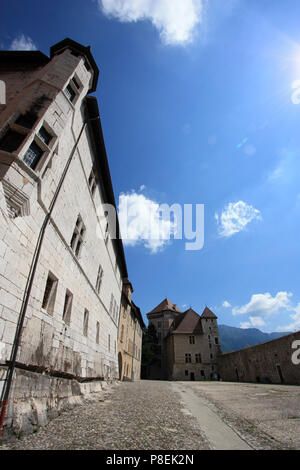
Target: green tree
[150,350]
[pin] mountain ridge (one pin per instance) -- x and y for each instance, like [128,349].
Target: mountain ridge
[233,338]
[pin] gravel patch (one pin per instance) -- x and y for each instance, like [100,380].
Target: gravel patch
[144,415]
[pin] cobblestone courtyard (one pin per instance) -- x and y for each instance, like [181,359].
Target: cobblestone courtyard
[155,415]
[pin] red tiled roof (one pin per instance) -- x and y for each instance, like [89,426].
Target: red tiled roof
[166,305]
[189,323]
[207,313]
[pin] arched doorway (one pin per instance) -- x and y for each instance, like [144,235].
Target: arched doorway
[120,362]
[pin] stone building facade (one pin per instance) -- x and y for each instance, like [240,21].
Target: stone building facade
[61,269]
[189,343]
[269,362]
[131,326]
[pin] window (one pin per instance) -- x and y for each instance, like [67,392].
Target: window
[216,340]
[209,345]
[99,279]
[77,237]
[11,140]
[208,337]
[72,89]
[159,324]
[106,227]
[67,307]
[188,358]
[186,372]
[109,343]
[192,339]
[211,356]
[27,119]
[50,293]
[85,322]
[111,304]
[33,155]
[97,332]
[92,183]
[44,135]
[202,373]
[198,358]
[70,93]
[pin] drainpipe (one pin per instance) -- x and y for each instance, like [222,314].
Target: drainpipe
[135,322]
[26,296]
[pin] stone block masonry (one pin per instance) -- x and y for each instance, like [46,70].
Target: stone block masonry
[269,362]
[54,178]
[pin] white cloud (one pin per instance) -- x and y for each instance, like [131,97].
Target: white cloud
[142,187]
[253,322]
[264,305]
[226,304]
[295,325]
[22,43]
[235,217]
[176,20]
[141,222]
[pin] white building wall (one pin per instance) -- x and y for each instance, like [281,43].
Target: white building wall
[46,340]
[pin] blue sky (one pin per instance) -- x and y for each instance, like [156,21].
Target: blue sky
[197,107]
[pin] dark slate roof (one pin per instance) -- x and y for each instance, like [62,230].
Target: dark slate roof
[166,304]
[207,313]
[188,323]
[138,314]
[22,60]
[103,173]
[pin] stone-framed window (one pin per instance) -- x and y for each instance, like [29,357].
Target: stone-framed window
[50,293]
[106,233]
[188,358]
[122,334]
[73,89]
[44,135]
[111,304]
[33,155]
[85,322]
[192,339]
[186,373]
[198,358]
[209,345]
[99,279]
[97,332]
[92,182]
[216,340]
[67,307]
[78,236]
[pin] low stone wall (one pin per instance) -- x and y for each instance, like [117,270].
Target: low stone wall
[37,398]
[269,362]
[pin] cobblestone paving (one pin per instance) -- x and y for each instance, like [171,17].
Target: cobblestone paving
[139,415]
